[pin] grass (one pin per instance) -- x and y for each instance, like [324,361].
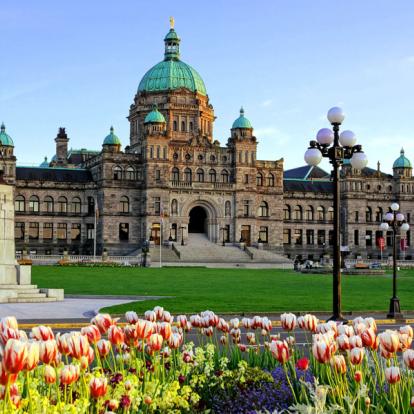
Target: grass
[227,290]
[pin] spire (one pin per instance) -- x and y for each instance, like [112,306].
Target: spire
[241,111]
[3,127]
[111,130]
[402,152]
[172,43]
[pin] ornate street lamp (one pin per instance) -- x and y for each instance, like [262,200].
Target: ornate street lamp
[336,147]
[182,235]
[394,220]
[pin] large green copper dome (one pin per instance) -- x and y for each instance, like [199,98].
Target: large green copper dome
[5,139]
[172,73]
[402,161]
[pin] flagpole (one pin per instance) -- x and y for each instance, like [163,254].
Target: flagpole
[94,237]
[161,244]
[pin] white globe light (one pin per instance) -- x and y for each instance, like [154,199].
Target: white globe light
[389,216]
[359,160]
[313,156]
[325,136]
[384,226]
[336,115]
[399,216]
[405,227]
[395,206]
[347,139]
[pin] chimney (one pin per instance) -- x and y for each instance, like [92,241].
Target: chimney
[61,147]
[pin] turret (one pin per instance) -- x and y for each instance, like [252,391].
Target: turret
[111,142]
[402,166]
[61,148]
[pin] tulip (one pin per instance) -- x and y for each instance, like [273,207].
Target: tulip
[234,323]
[42,333]
[98,387]
[280,351]
[223,326]
[247,323]
[266,324]
[158,310]
[235,334]
[242,347]
[392,375]
[78,345]
[115,335]
[405,341]
[150,316]
[9,333]
[69,374]
[288,321]
[104,347]
[367,402]
[251,338]
[195,321]
[358,376]
[257,322]
[5,377]
[182,321]
[406,330]
[113,405]
[144,329]
[33,355]
[165,330]
[147,400]
[302,364]
[223,340]
[155,342]
[166,317]
[368,338]
[321,351]
[48,351]
[355,341]
[301,322]
[49,374]
[338,363]
[208,331]
[103,321]
[408,357]
[370,322]
[131,317]
[8,322]
[412,402]
[389,340]
[385,354]
[175,340]
[356,356]
[343,342]
[92,333]
[15,356]
[291,340]
[359,328]
[188,356]
[62,341]
[310,322]
[131,335]
[347,330]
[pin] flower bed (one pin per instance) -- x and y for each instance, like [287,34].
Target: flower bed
[148,365]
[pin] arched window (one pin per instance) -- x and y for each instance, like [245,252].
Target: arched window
[263,209]
[212,174]
[124,204]
[174,207]
[175,125]
[62,205]
[200,175]
[368,215]
[76,205]
[270,180]
[187,175]
[286,212]
[182,126]
[227,209]
[130,173]
[19,203]
[309,213]
[48,202]
[297,213]
[117,173]
[320,211]
[34,204]
[259,179]
[175,174]
[225,176]
[330,213]
[378,215]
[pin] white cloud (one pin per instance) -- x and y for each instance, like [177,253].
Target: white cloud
[266,102]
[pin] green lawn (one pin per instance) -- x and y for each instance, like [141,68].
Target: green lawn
[227,290]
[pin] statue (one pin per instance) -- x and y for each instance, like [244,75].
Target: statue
[172,22]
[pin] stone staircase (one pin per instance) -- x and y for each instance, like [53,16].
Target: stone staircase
[268,256]
[199,249]
[25,294]
[167,254]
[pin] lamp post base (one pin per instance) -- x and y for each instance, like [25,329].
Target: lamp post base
[338,318]
[395,310]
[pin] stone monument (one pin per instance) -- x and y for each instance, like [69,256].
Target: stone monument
[15,279]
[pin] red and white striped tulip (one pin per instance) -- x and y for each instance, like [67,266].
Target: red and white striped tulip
[392,375]
[48,351]
[408,357]
[356,356]
[6,377]
[98,387]
[389,340]
[266,324]
[209,331]
[104,347]
[310,322]
[144,329]
[175,340]
[116,335]
[33,355]
[405,341]
[347,330]
[247,323]
[370,322]
[369,338]
[358,376]
[92,333]
[251,338]
[103,321]
[69,374]
[406,330]
[167,317]
[322,351]
[131,317]
[182,321]
[288,321]
[223,326]
[234,323]
[62,341]
[355,341]
[384,353]
[195,321]
[49,374]
[223,339]
[8,322]
[78,345]
[338,364]
[15,356]
[42,333]
[343,342]
[150,316]
[165,330]
[155,342]
[131,335]
[9,333]
[158,310]
[280,351]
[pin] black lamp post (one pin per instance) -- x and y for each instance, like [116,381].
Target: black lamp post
[336,147]
[223,230]
[182,235]
[394,220]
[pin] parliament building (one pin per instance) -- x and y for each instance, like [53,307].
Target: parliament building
[174,179]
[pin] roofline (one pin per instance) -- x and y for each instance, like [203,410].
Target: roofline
[53,168]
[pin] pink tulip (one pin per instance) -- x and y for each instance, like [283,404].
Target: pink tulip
[15,356]
[392,375]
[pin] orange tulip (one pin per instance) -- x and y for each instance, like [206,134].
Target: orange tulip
[15,356]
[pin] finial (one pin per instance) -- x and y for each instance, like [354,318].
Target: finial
[172,21]
[3,127]
[402,151]
[154,107]
[241,111]
[45,159]
[111,129]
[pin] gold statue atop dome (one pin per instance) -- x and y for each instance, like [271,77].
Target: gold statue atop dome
[171,22]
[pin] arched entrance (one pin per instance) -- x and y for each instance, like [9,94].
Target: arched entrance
[197,223]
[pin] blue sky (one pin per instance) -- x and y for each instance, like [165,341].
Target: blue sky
[77,64]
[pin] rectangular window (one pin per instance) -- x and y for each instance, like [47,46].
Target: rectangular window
[310,237]
[356,237]
[298,236]
[408,217]
[75,232]
[62,231]
[158,175]
[263,234]
[330,237]
[246,178]
[368,238]
[246,209]
[408,237]
[19,231]
[91,206]
[151,152]
[286,236]
[389,239]
[157,205]
[321,238]
[34,231]
[90,233]
[123,231]
[356,216]
[47,231]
